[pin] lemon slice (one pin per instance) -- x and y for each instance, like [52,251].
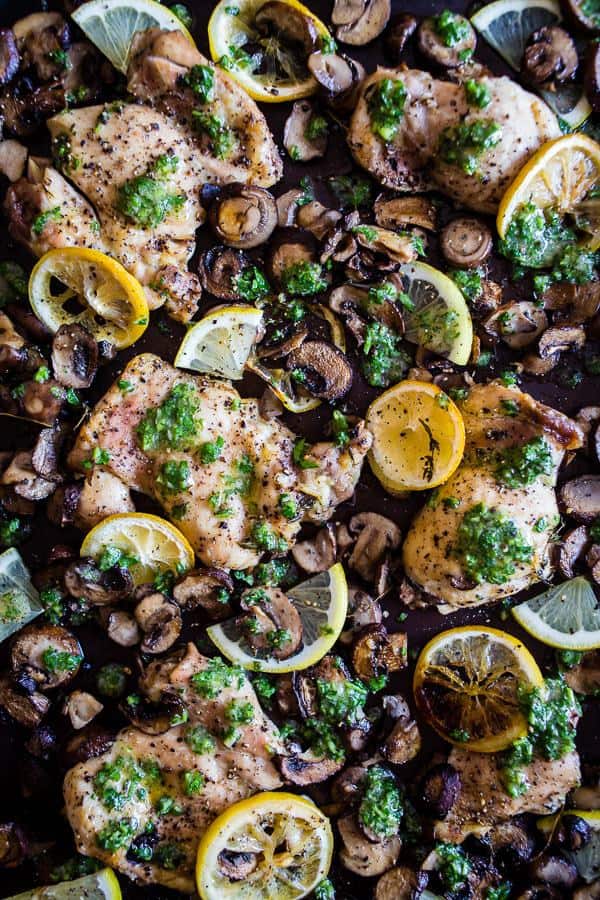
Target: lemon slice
[559,176]
[288,836]
[113,303]
[270,70]
[418,437]
[221,342]
[101,885]
[566,616]
[156,543]
[466,684]
[587,858]
[112,24]
[507,24]
[440,321]
[322,603]
[284,387]
[19,600]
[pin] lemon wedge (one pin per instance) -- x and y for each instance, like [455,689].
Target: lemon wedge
[221,343]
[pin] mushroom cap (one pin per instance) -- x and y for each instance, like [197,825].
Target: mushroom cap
[243,216]
[297,138]
[360,21]
[160,620]
[327,373]
[435,49]
[219,268]
[28,649]
[466,242]
[361,856]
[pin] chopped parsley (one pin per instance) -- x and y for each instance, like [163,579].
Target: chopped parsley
[478,94]
[522,465]
[111,680]
[201,79]
[193,783]
[211,451]
[174,424]
[251,284]
[221,136]
[341,428]
[341,701]
[454,867]
[299,455]
[146,199]
[303,279]
[352,191]
[41,220]
[174,476]
[381,808]
[385,104]
[469,281]
[117,834]
[199,740]
[216,677]
[385,361]
[288,506]
[464,144]
[239,712]
[114,556]
[451,27]
[489,545]
[316,128]
[55,660]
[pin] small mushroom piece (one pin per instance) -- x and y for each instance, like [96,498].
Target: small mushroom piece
[400,883]
[219,269]
[511,844]
[376,652]
[317,554]
[550,56]
[363,857]
[572,832]
[439,790]
[24,480]
[339,78]
[561,339]
[535,365]
[348,786]
[448,53]
[288,247]
[74,356]
[44,456]
[205,589]
[160,620]
[42,402]
[101,494]
[375,537]
[399,247]
[360,21]
[580,498]
[122,628]
[318,219]
[303,769]
[466,242]
[28,709]
[321,369]
[400,212]
[364,610]
[154,716]
[13,845]
[399,31]
[182,292]
[591,78]
[302,139]
[81,708]
[289,24]
[589,892]
[47,654]
[571,550]
[84,579]
[89,743]
[517,324]
[237,866]
[243,216]
[13,158]
[584,678]
[403,743]
[553,870]
[287,207]
[330,669]
[271,613]
[10,59]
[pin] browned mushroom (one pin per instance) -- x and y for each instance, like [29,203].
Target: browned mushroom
[81,708]
[398,247]
[375,537]
[376,652]
[339,79]
[45,453]
[588,419]
[439,790]
[561,339]
[154,716]
[589,892]
[84,579]
[25,481]
[511,844]
[587,796]
[399,31]
[304,768]
[39,37]
[317,554]
[42,402]
[219,269]
[550,56]
[517,324]
[571,549]
[273,624]
[321,369]
[13,845]
[287,207]
[304,683]
[572,833]
[89,743]
[49,655]
[580,498]
[182,291]
[122,628]
[403,742]
[319,220]
[535,365]
[444,52]
[466,242]
[553,870]
[400,883]
[360,21]
[400,212]
[303,137]
[160,620]
[288,247]
[361,856]
[74,356]
[10,59]
[28,709]
[584,678]
[363,611]
[592,75]
[205,589]
[243,216]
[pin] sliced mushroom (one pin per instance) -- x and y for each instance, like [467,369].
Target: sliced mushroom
[318,553]
[360,855]
[376,652]
[74,356]
[81,708]
[589,892]
[434,47]
[398,248]
[364,610]
[439,790]
[13,158]
[553,870]
[580,498]
[349,785]
[318,219]
[33,655]
[585,677]
[550,56]
[511,844]
[535,365]
[271,611]
[571,550]
[122,628]
[518,324]
[181,291]
[219,269]
[400,883]
[42,402]
[10,59]
[28,709]
[574,303]
[592,75]
[586,797]
[339,79]
[303,769]
[237,866]
[160,620]
[325,371]
[25,481]
[360,21]
[572,833]
[243,216]
[205,589]
[347,298]
[466,242]
[287,207]
[302,143]
[375,537]
[561,339]
[400,212]
[399,31]
[154,717]
[44,456]
[38,37]
[288,247]
[89,743]
[304,683]
[13,845]
[83,579]
[403,743]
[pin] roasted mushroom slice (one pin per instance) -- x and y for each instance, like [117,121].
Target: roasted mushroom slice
[584,678]
[303,769]
[571,549]
[466,242]
[400,883]
[74,356]
[330,670]
[289,24]
[40,38]
[517,324]
[28,709]
[321,369]
[572,833]
[154,717]
[399,31]
[561,339]
[47,654]
[339,79]
[319,220]
[272,624]
[375,537]
[160,620]
[364,610]
[360,21]
[439,790]
[89,743]
[398,247]
[553,870]
[400,212]
[403,743]
[550,56]
[81,708]
[83,579]
[289,247]
[44,456]
[287,207]
[10,59]
[305,133]
[243,216]
[444,46]
[122,628]
[24,480]
[205,589]
[101,494]
[580,498]
[362,856]
[219,269]
[377,653]
[317,554]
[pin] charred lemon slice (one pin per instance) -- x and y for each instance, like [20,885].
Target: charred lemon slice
[467,683]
